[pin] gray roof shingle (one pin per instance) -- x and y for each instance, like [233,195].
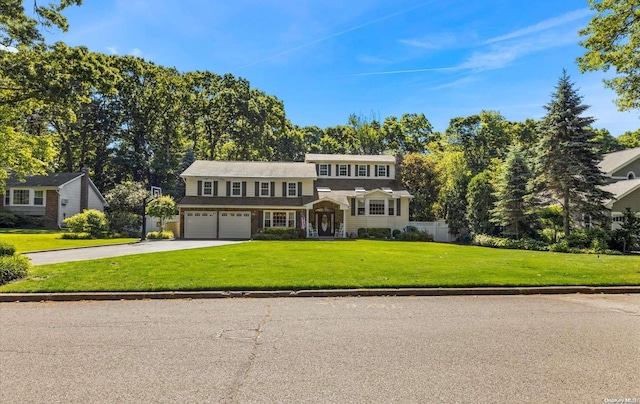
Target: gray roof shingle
[51,180]
[611,162]
[249,169]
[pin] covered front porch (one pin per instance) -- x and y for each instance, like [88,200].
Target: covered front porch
[326,218]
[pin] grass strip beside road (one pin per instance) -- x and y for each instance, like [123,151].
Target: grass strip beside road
[43,240]
[270,265]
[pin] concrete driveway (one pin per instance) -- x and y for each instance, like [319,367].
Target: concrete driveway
[91,253]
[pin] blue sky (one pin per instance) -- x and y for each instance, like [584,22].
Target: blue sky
[327,59]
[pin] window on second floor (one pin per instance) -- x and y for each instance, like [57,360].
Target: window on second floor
[343,170]
[323,170]
[362,171]
[207,188]
[292,189]
[381,171]
[265,189]
[236,188]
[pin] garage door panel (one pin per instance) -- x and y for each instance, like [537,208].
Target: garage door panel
[200,224]
[235,225]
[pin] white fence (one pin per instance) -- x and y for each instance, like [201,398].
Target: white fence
[439,230]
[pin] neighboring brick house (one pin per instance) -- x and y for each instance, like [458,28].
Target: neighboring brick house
[327,195]
[622,168]
[53,197]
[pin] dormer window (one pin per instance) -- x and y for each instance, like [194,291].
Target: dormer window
[343,170]
[631,175]
[381,171]
[362,171]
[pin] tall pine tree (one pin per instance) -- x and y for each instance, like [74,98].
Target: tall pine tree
[511,209]
[567,157]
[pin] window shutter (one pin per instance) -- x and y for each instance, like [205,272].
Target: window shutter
[257,189]
[215,188]
[300,189]
[388,171]
[199,188]
[337,170]
[353,206]
[398,204]
[284,188]
[349,170]
[329,167]
[376,170]
[317,169]
[244,188]
[228,188]
[357,170]
[368,170]
[273,188]
[260,219]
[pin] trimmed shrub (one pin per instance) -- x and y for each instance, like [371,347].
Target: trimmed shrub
[6,249]
[76,236]
[12,268]
[89,221]
[414,236]
[289,233]
[396,233]
[266,236]
[375,232]
[19,220]
[160,235]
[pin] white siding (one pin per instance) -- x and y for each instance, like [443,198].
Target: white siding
[367,221]
[70,192]
[191,185]
[94,200]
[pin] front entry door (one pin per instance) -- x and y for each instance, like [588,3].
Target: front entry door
[324,222]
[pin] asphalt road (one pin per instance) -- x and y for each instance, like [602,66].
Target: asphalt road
[92,253]
[491,349]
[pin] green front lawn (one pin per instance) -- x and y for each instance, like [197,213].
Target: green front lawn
[40,240]
[339,264]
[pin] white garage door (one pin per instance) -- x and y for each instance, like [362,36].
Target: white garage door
[200,224]
[235,225]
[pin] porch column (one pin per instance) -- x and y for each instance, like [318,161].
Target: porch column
[307,221]
[344,222]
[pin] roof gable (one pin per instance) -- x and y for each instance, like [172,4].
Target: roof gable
[349,158]
[621,189]
[613,162]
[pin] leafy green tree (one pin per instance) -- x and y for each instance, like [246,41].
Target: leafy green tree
[18,27]
[456,207]
[629,140]
[629,232]
[551,217]
[420,178]
[511,211]
[605,142]
[480,201]
[125,206]
[613,41]
[163,208]
[413,133]
[568,157]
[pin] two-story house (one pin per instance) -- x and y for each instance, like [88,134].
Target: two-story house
[622,168]
[327,195]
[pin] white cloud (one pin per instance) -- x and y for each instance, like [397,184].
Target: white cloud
[136,52]
[112,50]
[544,25]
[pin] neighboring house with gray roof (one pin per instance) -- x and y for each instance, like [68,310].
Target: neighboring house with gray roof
[623,170]
[54,197]
[327,195]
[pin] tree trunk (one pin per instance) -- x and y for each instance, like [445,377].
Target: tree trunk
[565,213]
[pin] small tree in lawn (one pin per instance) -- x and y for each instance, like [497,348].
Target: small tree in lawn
[629,232]
[511,210]
[568,157]
[163,208]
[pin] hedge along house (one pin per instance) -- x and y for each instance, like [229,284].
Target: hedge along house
[234,199]
[53,197]
[327,196]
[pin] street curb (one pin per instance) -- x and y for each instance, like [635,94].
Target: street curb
[481,291]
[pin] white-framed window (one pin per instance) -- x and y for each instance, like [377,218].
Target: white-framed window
[236,188]
[292,189]
[279,219]
[38,197]
[207,187]
[265,189]
[382,171]
[360,207]
[7,197]
[343,170]
[362,171]
[376,207]
[391,209]
[323,170]
[20,196]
